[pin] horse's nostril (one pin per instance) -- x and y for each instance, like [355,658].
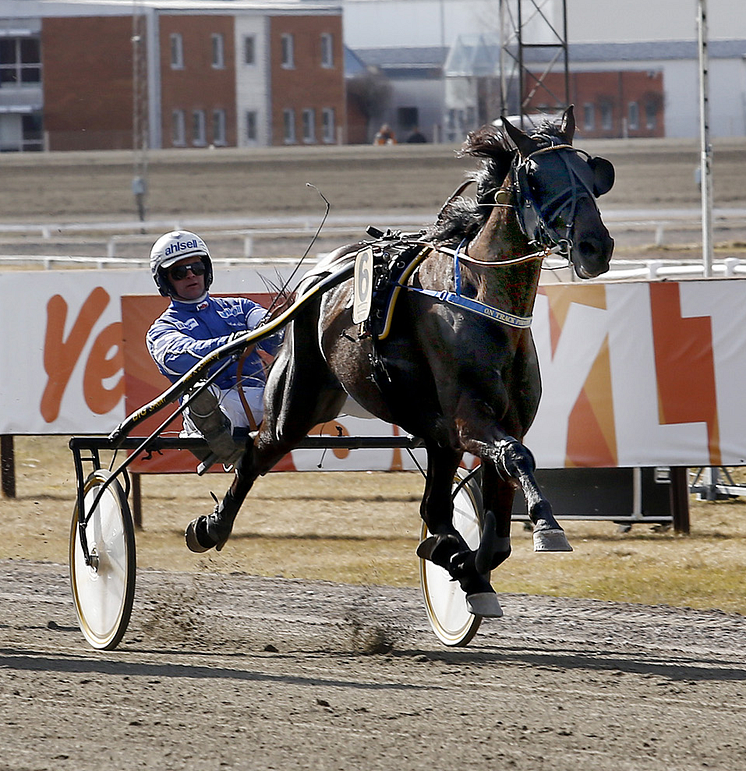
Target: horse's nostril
[589,248]
[595,247]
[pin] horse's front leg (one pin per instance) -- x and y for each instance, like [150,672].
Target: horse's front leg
[497,497]
[446,547]
[514,460]
[213,530]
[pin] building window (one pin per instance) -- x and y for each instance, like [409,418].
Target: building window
[249,49]
[177,51]
[20,61]
[607,116]
[288,52]
[328,125]
[218,51]
[633,116]
[198,128]
[288,122]
[309,126]
[589,117]
[651,112]
[218,128]
[178,128]
[252,133]
[327,49]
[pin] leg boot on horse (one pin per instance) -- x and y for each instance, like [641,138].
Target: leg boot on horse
[212,531]
[517,462]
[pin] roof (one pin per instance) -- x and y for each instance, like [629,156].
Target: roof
[397,58]
[25,9]
[354,65]
[479,55]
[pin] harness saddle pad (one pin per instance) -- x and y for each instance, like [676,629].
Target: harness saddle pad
[394,260]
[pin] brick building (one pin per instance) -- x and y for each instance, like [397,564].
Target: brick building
[81,76]
[619,103]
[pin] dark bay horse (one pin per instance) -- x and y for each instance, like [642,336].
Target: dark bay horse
[457,365]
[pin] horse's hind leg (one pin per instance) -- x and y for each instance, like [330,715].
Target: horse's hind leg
[516,461]
[297,397]
[213,530]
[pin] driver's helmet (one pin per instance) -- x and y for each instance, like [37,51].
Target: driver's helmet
[174,247]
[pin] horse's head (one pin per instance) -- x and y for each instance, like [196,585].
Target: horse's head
[555,187]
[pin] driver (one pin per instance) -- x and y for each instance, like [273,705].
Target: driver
[194,325]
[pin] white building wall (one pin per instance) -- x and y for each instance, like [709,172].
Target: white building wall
[414,23]
[624,21]
[252,80]
[727,96]
[681,90]
[427,96]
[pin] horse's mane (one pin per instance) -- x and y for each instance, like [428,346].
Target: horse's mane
[463,217]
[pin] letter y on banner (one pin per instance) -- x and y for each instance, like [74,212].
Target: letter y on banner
[61,354]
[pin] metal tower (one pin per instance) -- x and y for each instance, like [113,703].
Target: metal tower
[534,59]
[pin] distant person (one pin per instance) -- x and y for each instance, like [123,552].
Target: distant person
[416,137]
[384,136]
[193,326]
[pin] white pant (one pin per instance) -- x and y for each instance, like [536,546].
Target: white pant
[232,408]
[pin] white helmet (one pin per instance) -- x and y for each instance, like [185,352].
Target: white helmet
[173,247]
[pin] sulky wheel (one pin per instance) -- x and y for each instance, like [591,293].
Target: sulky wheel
[445,601]
[104,590]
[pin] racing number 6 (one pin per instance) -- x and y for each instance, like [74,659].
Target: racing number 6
[363,285]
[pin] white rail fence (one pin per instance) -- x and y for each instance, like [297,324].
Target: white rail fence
[236,241]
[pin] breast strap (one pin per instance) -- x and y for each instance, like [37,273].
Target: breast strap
[466,303]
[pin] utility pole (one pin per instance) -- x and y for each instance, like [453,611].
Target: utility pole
[705,168]
[140,140]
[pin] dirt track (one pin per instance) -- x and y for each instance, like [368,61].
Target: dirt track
[251,673]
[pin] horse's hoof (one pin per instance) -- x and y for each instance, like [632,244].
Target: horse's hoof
[484,604]
[427,549]
[551,540]
[192,535]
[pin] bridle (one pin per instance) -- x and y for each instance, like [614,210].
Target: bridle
[534,219]
[535,223]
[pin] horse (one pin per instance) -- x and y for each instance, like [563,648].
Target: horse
[456,366]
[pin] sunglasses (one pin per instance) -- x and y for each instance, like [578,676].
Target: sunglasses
[179,272]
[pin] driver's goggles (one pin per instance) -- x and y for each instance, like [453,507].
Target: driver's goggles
[179,272]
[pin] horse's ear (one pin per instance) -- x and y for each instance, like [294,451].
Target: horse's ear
[521,140]
[567,126]
[603,175]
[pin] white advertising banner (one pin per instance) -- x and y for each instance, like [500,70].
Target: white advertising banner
[634,374]
[641,374]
